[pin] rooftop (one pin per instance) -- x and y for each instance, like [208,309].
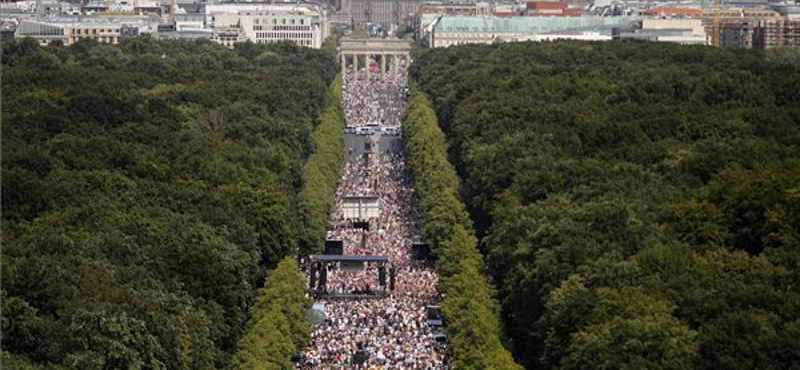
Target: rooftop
[526,25]
[237,8]
[97,21]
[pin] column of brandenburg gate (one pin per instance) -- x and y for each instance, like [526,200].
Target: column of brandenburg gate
[392,49]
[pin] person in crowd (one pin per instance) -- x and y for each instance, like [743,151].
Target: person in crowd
[369,326]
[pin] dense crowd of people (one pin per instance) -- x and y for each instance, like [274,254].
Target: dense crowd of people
[392,232]
[369,101]
[376,327]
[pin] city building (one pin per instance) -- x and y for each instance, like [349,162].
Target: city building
[551,9]
[748,3]
[612,8]
[71,30]
[737,25]
[674,12]
[340,20]
[681,31]
[789,11]
[384,13]
[463,9]
[303,24]
[427,14]
[31,9]
[227,36]
[592,34]
[122,8]
[452,30]
[189,17]
[8,27]
[507,9]
[774,33]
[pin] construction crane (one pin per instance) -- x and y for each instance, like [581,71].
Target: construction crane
[717,22]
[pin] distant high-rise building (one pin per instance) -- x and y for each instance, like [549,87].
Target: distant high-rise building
[773,33]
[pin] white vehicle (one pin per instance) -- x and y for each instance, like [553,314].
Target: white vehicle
[391,130]
[365,131]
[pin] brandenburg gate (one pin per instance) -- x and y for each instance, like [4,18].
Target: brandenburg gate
[386,49]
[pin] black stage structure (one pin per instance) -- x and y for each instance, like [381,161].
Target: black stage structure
[321,263]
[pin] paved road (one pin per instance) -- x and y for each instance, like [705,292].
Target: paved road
[355,145]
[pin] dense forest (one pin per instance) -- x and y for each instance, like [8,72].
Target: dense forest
[638,204]
[317,199]
[278,329]
[146,189]
[472,312]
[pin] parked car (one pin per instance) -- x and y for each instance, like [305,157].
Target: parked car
[391,130]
